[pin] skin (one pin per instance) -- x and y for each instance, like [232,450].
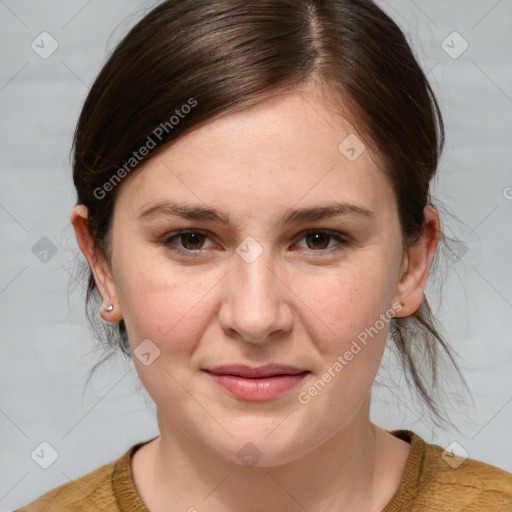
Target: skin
[299,303]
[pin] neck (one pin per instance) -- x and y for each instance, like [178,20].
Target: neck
[349,471]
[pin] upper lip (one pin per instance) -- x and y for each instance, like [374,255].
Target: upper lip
[242,370]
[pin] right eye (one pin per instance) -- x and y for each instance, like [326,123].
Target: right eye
[191,241]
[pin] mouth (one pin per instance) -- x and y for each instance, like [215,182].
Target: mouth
[247,372]
[256,384]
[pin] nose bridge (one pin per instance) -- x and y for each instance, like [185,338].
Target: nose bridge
[254,305]
[256,283]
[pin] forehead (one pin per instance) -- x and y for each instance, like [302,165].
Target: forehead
[286,149]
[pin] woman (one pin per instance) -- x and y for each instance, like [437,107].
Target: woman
[253,202]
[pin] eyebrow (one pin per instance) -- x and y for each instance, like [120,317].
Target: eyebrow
[294,215]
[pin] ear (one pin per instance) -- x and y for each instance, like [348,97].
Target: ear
[416,265]
[101,269]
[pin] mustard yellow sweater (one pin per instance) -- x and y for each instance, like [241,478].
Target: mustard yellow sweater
[429,484]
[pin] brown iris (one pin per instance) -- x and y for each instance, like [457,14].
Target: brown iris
[189,240]
[320,239]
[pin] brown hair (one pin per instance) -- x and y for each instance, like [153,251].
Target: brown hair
[217,56]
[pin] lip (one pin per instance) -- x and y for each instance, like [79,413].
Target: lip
[242,370]
[256,384]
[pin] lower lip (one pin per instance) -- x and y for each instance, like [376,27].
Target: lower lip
[260,389]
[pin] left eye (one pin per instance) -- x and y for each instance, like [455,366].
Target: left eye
[319,240]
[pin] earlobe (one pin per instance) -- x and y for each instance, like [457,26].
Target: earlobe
[105,313]
[416,265]
[100,268]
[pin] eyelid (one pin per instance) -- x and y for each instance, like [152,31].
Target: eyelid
[334,234]
[342,239]
[169,237]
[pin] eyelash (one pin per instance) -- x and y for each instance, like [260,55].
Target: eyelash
[342,241]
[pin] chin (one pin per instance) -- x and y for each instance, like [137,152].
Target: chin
[264,447]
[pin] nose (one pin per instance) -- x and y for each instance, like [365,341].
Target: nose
[255,304]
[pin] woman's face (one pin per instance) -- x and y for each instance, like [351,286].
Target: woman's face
[261,280]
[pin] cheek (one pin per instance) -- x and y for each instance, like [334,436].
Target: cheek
[173,305]
[347,330]
[173,312]
[342,304]
[163,303]
[347,319]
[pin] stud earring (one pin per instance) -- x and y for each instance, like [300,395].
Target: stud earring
[109,308]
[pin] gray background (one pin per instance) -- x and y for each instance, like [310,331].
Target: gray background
[46,349]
